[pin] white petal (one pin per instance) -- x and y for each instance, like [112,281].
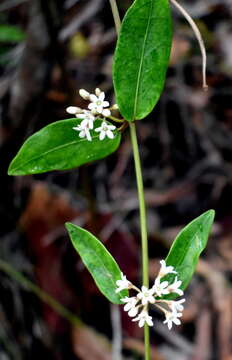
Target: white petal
[99,109]
[91,106]
[89,138]
[105,103]
[90,124]
[111,127]
[144,301]
[151,299]
[176,321]
[164,284]
[81,116]
[133,312]
[82,134]
[118,290]
[98,129]
[102,96]
[93,98]
[179,292]
[84,123]
[125,299]
[109,134]
[149,321]
[102,135]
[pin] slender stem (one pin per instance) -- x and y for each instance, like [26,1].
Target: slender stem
[143,225]
[116,15]
[48,299]
[142,208]
[199,39]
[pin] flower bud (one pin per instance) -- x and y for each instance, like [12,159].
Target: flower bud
[84,94]
[73,110]
[97,91]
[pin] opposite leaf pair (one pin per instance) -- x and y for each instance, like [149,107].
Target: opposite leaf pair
[174,276]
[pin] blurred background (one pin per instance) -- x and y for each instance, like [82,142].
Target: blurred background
[49,50]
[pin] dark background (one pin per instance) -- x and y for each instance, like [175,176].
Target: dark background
[186,147]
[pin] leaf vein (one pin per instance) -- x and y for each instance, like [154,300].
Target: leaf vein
[141,62]
[52,150]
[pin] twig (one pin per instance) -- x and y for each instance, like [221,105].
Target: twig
[88,12]
[8,5]
[199,39]
[117,332]
[42,295]
[116,15]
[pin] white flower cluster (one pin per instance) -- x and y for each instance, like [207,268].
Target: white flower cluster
[97,107]
[137,306]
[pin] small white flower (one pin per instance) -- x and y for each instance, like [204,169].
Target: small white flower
[172,317]
[176,305]
[105,130]
[84,131]
[146,295]
[84,94]
[73,110]
[88,118]
[130,306]
[122,284]
[174,288]
[98,102]
[160,288]
[164,270]
[130,302]
[143,318]
[134,311]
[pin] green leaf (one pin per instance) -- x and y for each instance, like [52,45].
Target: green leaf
[187,247]
[98,261]
[141,57]
[11,34]
[59,147]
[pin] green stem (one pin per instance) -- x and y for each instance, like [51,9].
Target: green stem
[48,299]
[142,207]
[143,225]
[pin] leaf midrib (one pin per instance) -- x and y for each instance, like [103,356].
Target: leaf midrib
[141,61]
[50,151]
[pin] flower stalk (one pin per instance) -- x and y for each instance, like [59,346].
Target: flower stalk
[142,207]
[143,225]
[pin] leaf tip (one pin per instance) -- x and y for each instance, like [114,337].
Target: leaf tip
[210,215]
[11,171]
[68,226]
